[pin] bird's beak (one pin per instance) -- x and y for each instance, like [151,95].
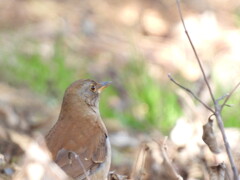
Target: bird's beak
[103,85]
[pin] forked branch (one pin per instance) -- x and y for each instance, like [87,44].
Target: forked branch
[217,107]
[190,92]
[229,95]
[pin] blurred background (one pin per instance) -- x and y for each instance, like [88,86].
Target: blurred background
[46,45]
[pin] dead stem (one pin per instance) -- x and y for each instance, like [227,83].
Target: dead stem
[195,52]
[190,92]
[229,95]
[217,107]
[76,156]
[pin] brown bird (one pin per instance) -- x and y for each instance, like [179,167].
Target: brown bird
[79,140]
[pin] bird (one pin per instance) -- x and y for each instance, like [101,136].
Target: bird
[79,141]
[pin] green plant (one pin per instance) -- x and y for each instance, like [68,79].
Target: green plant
[152,105]
[158,105]
[49,76]
[231,114]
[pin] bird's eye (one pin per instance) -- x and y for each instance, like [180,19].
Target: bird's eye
[93,88]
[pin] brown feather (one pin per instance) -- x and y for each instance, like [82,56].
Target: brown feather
[79,129]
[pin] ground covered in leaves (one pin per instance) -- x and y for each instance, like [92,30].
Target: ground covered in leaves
[46,45]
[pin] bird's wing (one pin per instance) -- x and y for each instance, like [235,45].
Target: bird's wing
[81,148]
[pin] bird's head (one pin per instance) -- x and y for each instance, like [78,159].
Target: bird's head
[85,91]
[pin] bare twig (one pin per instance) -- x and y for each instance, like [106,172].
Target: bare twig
[135,168]
[229,105]
[137,171]
[222,97]
[195,52]
[146,148]
[167,161]
[229,95]
[76,156]
[226,143]
[217,107]
[190,92]
[114,176]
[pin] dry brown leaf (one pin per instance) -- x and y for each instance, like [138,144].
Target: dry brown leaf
[36,163]
[209,137]
[217,172]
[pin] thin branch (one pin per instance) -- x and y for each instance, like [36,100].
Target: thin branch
[134,170]
[76,156]
[229,105]
[190,92]
[195,52]
[217,107]
[226,143]
[146,148]
[222,97]
[137,171]
[167,162]
[229,95]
